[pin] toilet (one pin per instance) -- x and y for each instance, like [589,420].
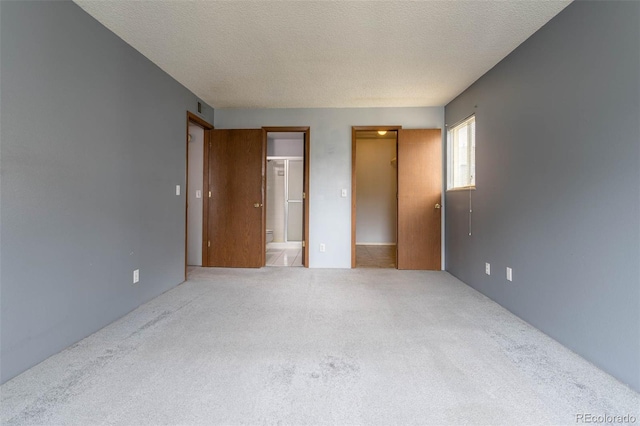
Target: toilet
[269,235]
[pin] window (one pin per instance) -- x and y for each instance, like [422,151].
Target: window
[461,154]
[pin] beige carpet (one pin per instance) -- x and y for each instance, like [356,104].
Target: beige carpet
[299,346]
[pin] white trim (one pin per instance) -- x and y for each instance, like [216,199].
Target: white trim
[452,153]
[457,123]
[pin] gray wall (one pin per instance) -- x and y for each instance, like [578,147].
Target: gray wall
[558,178]
[376,191]
[330,165]
[93,145]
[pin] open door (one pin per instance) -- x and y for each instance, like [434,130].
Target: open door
[236,200]
[419,197]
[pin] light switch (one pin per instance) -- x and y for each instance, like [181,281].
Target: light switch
[198,193]
[344,193]
[177,189]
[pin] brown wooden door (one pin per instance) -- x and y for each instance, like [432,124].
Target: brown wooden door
[419,198]
[235,223]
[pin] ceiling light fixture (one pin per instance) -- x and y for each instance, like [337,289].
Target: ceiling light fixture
[382,132]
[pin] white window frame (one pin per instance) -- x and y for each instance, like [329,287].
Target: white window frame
[469,181]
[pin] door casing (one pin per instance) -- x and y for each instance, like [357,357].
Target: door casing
[194,119]
[437,158]
[354,130]
[207,188]
[305,219]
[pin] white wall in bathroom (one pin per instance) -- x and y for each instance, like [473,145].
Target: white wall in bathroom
[275,199]
[285,147]
[295,188]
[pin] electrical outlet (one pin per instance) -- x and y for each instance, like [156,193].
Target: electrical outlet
[198,193]
[322,248]
[136,276]
[509,274]
[487,268]
[344,193]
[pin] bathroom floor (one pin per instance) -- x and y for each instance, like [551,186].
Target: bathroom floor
[284,256]
[375,256]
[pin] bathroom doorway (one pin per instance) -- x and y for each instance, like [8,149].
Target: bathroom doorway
[285,198]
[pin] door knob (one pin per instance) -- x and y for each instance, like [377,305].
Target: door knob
[257,205]
[437,206]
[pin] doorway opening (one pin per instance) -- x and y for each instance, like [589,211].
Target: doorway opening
[374,197]
[288,149]
[418,168]
[235,205]
[285,180]
[195,231]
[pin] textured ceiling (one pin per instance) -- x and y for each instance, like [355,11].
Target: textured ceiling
[292,54]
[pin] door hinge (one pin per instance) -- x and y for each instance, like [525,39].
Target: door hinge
[304,195]
[209,194]
[208,243]
[304,244]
